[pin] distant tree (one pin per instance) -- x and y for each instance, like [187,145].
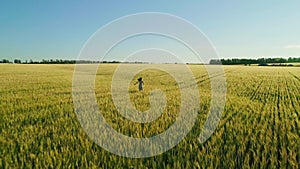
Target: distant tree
[215,62]
[5,61]
[44,61]
[290,59]
[17,61]
[260,61]
[282,60]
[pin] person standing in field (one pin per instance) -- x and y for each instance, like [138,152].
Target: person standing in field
[141,83]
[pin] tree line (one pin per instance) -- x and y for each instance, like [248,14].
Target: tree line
[260,61]
[54,61]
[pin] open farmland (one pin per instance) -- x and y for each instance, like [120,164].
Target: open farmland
[260,125]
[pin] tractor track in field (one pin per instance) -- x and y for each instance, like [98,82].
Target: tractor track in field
[215,74]
[290,96]
[256,124]
[279,123]
[286,118]
[296,77]
[254,93]
[199,81]
[294,82]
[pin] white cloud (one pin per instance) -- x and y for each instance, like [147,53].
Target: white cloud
[292,47]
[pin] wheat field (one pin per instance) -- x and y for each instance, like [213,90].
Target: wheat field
[259,128]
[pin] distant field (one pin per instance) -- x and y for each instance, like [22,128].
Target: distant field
[294,63]
[260,127]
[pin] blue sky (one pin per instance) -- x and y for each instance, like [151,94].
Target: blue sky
[35,29]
